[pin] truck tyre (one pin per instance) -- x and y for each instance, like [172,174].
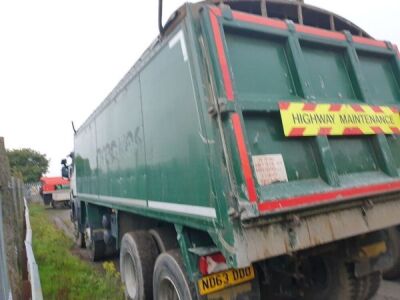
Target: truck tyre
[393,246]
[165,238]
[331,278]
[374,282]
[97,250]
[362,286]
[137,257]
[170,281]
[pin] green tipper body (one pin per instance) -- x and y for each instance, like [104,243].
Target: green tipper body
[175,140]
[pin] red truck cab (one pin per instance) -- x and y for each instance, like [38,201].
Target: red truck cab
[54,190]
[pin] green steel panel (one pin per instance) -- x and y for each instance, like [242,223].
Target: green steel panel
[176,150]
[85,159]
[329,74]
[265,136]
[327,165]
[266,68]
[260,67]
[353,154]
[381,146]
[380,78]
[127,154]
[120,145]
[394,143]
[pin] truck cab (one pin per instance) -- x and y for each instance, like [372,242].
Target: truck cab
[55,191]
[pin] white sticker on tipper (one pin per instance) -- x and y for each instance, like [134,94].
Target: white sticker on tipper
[179,38]
[269,168]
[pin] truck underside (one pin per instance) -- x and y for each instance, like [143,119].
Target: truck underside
[296,256]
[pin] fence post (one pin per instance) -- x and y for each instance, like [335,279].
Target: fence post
[11,234]
[5,292]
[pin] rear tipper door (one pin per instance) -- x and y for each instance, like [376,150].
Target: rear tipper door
[314,114]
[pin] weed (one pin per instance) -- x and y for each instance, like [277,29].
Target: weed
[63,275]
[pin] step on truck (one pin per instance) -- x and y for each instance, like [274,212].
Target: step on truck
[251,153]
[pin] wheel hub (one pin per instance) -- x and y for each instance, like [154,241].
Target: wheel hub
[168,290]
[131,282]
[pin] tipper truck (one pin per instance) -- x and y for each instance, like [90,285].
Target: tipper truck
[251,153]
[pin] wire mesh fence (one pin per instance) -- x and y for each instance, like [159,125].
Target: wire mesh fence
[13,269]
[19,278]
[32,192]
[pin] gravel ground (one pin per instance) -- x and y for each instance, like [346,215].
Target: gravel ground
[390,290]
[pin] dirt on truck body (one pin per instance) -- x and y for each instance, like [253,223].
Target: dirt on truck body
[251,152]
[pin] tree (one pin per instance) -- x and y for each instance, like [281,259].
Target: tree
[28,164]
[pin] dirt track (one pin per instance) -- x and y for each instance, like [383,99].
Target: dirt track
[390,290]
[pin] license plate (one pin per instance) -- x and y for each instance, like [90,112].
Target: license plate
[219,281]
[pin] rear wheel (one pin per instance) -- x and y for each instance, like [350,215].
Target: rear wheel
[137,257]
[96,247]
[97,250]
[374,282]
[368,285]
[330,278]
[170,281]
[362,286]
[165,238]
[393,246]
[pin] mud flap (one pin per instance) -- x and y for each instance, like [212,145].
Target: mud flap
[372,254]
[376,260]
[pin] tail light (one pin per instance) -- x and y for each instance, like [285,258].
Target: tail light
[212,263]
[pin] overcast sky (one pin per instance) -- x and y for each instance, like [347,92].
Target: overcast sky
[60,59]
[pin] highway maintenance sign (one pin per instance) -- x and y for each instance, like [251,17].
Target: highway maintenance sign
[312,119]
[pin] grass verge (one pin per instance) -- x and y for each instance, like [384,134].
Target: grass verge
[63,275]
